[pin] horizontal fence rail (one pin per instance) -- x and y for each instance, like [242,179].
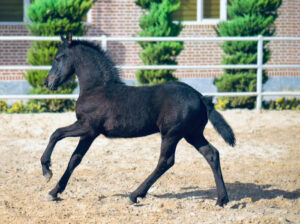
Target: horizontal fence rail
[75,96]
[107,38]
[157,67]
[104,40]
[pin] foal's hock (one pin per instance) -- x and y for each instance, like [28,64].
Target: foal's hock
[107,106]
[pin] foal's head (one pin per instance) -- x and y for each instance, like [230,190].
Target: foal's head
[62,66]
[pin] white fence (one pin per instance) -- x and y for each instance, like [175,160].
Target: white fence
[104,40]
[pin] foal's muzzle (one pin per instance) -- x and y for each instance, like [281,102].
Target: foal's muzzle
[50,84]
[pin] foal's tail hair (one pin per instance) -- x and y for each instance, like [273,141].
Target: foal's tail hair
[219,123]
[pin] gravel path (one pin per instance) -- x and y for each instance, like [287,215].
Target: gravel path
[262,174]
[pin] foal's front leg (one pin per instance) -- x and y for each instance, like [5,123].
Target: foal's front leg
[81,149]
[73,130]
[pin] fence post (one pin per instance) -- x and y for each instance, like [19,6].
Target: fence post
[259,72]
[104,42]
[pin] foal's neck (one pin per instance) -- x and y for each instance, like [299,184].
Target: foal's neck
[94,69]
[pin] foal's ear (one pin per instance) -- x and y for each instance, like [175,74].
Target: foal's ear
[62,38]
[69,36]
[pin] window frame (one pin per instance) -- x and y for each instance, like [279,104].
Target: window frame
[26,4]
[203,21]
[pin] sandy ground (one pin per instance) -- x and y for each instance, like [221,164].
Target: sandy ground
[262,174]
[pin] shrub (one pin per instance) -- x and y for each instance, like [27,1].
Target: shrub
[52,105]
[278,104]
[282,104]
[33,106]
[157,22]
[222,103]
[241,82]
[246,18]
[51,18]
[3,106]
[17,108]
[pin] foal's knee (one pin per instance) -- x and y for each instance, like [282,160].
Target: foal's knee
[56,135]
[210,153]
[165,163]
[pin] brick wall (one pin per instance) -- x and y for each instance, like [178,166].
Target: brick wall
[121,18]
[286,52]
[11,52]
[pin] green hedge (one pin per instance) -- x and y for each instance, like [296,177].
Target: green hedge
[33,106]
[278,104]
[38,107]
[282,104]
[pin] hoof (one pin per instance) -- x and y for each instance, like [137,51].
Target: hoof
[222,202]
[132,200]
[50,198]
[48,176]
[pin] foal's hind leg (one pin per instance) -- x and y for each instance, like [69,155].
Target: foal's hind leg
[81,149]
[73,130]
[211,155]
[166,161]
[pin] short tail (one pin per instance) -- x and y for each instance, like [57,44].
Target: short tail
[219,123]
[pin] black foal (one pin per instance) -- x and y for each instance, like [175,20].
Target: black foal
[107,106]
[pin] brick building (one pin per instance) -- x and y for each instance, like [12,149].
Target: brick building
[121,18]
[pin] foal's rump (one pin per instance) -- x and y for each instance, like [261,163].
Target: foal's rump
[180,107]
[187,110]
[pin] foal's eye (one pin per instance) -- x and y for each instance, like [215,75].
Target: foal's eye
[58,59]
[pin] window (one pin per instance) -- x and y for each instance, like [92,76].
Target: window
[201,11]
[14,12]
[211,9]
[87,18]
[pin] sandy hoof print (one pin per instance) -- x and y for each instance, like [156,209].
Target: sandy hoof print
[131,202]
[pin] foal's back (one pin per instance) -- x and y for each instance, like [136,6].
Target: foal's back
[125,111]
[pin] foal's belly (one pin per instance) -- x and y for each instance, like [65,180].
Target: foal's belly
[124,128]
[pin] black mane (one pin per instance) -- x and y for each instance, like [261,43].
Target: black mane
[104,62]
[90,44]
